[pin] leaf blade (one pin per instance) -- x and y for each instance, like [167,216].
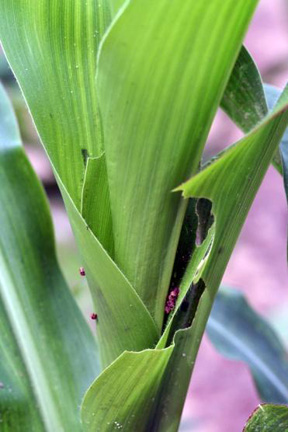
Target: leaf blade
[268,418]
[120,310]
[240,334]
[163,60]
[136,378]
[59,87]
[71,134]
[56,347]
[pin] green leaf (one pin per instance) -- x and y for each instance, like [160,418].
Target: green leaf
[240,333]
[136,378]
[52,46]
[241,169]
[154,56]
[18,410]
[47,351]
[95,202]
[116,5]
[244,101]
[268,418]
[244,98]
[272,94]
[123,322]
[253,154]
[61,94]
[153,383]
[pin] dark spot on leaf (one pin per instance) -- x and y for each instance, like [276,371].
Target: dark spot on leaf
[85,155]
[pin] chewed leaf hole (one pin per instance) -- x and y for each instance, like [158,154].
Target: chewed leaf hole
[205,219]
[197,222]
[187,310]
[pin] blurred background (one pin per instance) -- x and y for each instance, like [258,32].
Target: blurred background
[222,394]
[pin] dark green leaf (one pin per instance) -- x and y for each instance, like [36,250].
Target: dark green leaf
[240,333]
[268,418]
[244,99]
[48,355]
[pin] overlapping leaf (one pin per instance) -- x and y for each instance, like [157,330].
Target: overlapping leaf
[52,48]
[154,57]
[154,136]
[244,98]
[230,210]
[231,184]
[47,351]
[123,321]
[241,334]
[242,170]
[136,378]
[245,101]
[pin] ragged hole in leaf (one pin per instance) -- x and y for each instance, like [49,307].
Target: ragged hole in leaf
[205,219]
[197,222]
[187,310]
[186,244]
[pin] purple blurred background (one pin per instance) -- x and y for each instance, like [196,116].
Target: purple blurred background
[222,394]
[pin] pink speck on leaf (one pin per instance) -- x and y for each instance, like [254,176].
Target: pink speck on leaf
[82,271]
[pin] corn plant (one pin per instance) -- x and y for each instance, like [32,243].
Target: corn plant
[123,95]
